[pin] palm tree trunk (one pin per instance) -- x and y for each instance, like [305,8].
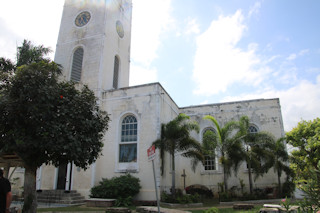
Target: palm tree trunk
[173,175]
[279,184]
[225,180]
[250,177]
[30,198]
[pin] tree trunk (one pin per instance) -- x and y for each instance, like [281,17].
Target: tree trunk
[30,198]
[6,170]
[250,176]
[279,184]
[225,179]
[173,175]
[224,173]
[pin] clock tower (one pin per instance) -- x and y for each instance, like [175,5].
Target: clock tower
[94,43]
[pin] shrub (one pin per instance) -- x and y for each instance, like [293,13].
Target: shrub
[225,196]
[200,190]
[125,202]
[122,188]
[212,210]
[288,188]
[180,198]
[167,198]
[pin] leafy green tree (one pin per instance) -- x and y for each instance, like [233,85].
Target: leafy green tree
[46,121]
[176,138]
[311,202]
[256,150]
[305,158]
[225,139]
[305,138]
[6,65]
[7,68]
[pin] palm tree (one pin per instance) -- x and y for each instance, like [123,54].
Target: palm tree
[28,53]
[225,140]
[256,149]
[175,137]
[280,160]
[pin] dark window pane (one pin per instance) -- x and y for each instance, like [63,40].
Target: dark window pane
[128,153]
[253,129]
[129,129]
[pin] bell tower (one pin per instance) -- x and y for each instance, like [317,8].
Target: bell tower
[94,43]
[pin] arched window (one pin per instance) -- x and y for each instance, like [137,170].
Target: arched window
[253,129]
[209,160]
[77,65]
[129,137]
[116,72]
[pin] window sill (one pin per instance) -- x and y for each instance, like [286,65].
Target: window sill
[127,171]
[132,167]
[210,172]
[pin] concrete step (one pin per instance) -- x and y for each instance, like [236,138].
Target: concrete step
[57,192]
[74,197]
[60,197]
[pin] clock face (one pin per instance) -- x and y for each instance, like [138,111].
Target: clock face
[119,28]
[82,19]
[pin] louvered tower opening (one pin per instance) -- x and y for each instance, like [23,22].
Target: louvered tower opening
[77,65]
[116,72]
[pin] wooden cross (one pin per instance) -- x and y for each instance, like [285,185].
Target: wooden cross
[184,178]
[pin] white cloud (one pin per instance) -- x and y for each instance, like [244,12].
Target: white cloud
[150,19]
[255,9]
[272,58]
[7,44]
[291,57]
[301,101]
[219,62]
[313,70]
[192,27]
[141,75]
[27,21]
[303,52]
[269,48]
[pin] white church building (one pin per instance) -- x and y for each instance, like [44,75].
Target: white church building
[94,49]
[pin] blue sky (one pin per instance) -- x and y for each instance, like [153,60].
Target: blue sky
[205,51]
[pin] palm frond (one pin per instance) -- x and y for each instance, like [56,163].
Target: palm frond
[176,137]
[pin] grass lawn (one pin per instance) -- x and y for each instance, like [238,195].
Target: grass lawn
[92,209]
[71,209]
[206,205]
[229,210]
